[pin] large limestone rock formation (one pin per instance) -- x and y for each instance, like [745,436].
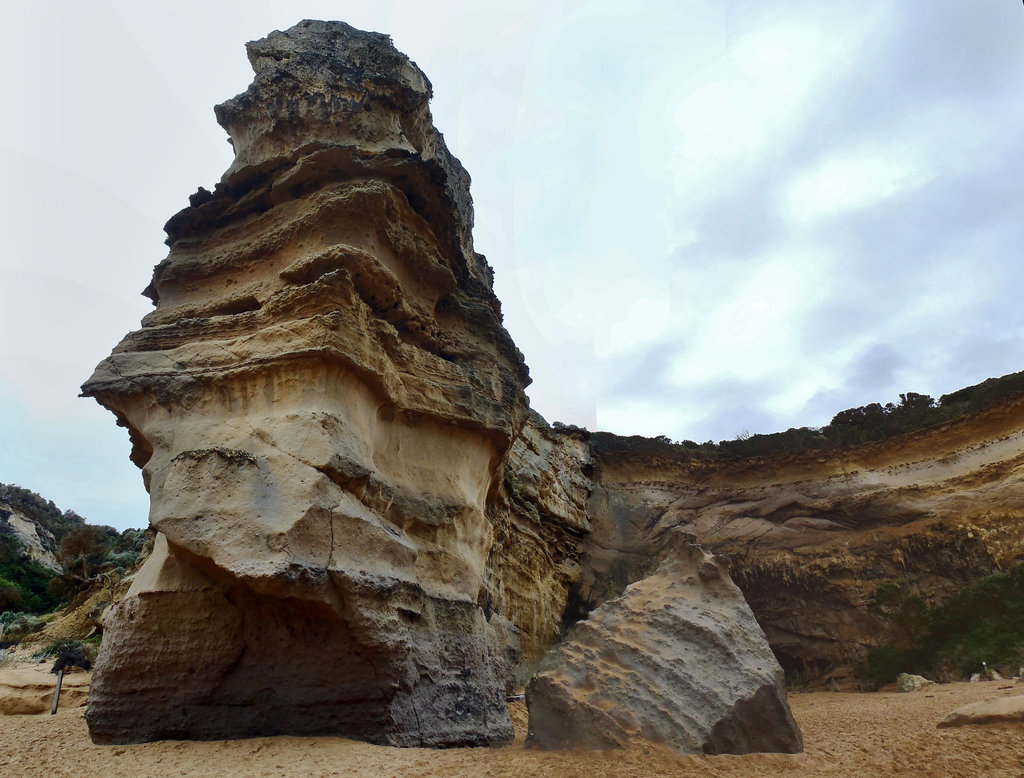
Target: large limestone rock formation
[677,659]
[361,529]
[321,404]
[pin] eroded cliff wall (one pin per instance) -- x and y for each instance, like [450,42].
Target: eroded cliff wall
[813,535]
[364,531]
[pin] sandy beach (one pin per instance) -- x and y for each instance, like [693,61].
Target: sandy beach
[882,733]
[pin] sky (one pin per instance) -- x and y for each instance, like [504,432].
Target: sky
[705,217]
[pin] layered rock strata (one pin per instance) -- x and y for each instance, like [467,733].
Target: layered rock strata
[541,523]
[321,404]
[363,531]
[813,536]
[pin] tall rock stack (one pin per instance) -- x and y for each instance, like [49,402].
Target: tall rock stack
[361,529]
[321,404]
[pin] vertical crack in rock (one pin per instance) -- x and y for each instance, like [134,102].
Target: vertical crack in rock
[330,556]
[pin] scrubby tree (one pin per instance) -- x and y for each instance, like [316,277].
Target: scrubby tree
[10,595]
[85,545]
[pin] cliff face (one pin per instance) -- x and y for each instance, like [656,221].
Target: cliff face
[812,536]
[35,523]
[541,522]
[35,539]
[321,403]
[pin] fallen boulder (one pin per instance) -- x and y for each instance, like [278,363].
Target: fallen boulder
[677,659]
[1001,711]
[911,683]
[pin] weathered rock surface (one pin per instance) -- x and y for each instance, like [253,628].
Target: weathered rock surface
[677,659]
[906,682]
[1007,710]
[321,402]
[35,539]
[363,531]
[541,520]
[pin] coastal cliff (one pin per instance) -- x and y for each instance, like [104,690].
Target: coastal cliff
[814,535]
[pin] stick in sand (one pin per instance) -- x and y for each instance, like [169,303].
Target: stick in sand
[56,692]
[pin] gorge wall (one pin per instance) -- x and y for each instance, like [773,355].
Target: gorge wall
[813,535]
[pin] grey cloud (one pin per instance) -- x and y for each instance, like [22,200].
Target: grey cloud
[731,406]
[872,377]
[645,372]
[952,49]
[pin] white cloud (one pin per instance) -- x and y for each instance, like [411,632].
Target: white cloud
[632,320]
[752,329]
[855,180]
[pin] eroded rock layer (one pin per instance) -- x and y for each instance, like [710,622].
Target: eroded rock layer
[363,531]
[813,536]
[321,402]
[541,522]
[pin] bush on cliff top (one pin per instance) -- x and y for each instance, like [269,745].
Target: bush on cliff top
[851,427]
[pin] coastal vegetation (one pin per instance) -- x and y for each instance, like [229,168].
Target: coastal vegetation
[854,426]
[82,555]
[980,626]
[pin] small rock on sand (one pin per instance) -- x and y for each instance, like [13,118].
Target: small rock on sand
[911,683]
[1002,711]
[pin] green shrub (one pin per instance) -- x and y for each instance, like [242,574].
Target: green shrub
[983,622]
[18,626]
[884,663]
[55,647]
[24,578]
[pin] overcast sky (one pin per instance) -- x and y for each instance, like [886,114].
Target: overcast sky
[704,217]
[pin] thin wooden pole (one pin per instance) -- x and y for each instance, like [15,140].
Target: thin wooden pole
[56,692]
